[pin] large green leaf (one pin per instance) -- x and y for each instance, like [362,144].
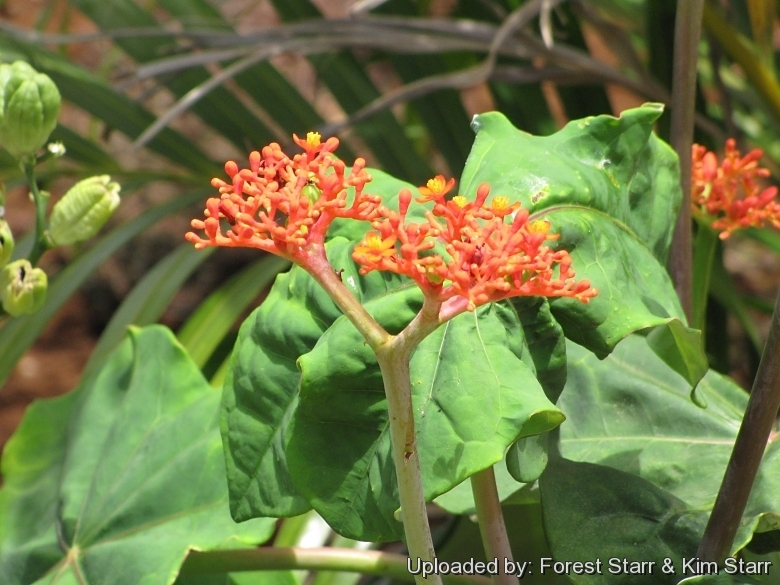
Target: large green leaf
[610,189]
[261,388]
[633,413]
[526,457]
[116,481]
[474,393]
[605,517]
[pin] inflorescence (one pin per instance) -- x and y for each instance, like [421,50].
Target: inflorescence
[492,251]
[730,191]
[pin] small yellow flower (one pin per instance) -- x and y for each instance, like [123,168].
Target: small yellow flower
[435,189]
[373,249]
[437,184]
[500,203]
[460,201]
[540,226]
[313,138]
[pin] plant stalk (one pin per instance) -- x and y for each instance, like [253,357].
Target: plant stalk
[41,200]
[757,424]
[703,256]
[314,559]
[320,269]
[394,363]
[687,31]
[491,524]
[393,355]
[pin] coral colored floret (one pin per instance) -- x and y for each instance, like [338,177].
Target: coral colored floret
[285,205]
[269,205]
[487,259]
[435,188]
[730,191]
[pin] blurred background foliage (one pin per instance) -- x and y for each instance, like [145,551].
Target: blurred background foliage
[159,93]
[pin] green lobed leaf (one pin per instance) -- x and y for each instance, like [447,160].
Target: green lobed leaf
[610,189]
[260,391]
[527,458]
[126,471]
[592,512]
[681,349]
[632,413]
[546,343]
[474,394]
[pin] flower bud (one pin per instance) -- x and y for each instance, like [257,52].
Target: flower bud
[6,242]
[29,106]
[83,210]
[311,192]
[23,288]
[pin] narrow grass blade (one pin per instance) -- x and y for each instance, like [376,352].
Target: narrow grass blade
[87,91]
[269,89]
[347,80]
[220,109]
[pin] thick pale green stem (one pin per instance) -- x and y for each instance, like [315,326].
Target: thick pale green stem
[393,354]
[491,524]
[314,559]
[394,363]
[703,254]
[40,200]
[318,266]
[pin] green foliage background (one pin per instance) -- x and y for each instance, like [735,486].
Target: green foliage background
[646,435]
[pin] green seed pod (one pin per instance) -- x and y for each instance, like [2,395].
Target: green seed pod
[29,106]
[6,242]
[23,288]
[311,192]
[83,210]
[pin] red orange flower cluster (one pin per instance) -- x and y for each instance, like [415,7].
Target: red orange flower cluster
[489,260]
[731,191]
[285,205]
